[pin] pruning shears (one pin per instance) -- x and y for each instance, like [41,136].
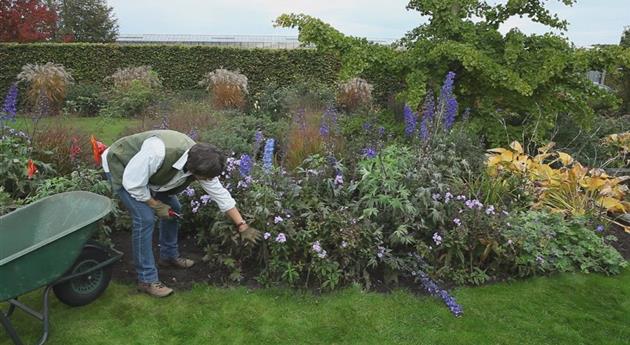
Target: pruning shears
[174,214]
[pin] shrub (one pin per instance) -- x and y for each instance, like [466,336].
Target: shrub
[86,99]
[543,243]
[62,146]
[130,102]
[14,160]
[354,94]
[227,88]
[50,80]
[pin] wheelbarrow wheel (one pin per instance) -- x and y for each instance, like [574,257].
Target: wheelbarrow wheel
[86,288]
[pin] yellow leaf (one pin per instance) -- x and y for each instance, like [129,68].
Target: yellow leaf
[493,160]
[507,156]
[611,204]
[516,146]
[565,158]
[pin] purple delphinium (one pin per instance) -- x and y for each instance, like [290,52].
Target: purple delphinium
[9,109]
[245,167]
[369,152]
[447,104]
[411,119]
[433,289]
[450,113]
[268,155]
[329,121]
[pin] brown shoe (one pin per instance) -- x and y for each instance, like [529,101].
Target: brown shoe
[179,262]
[155,289]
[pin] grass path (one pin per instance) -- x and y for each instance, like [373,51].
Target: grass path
[566,309]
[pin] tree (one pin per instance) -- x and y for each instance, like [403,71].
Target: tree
[26,21]
[517,84]
[87,21]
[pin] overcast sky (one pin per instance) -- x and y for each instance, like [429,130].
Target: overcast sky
[591,21]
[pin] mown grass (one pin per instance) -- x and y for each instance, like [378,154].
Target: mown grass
[106,130]
[566,309]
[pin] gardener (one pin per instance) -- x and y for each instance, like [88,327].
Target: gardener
[147,170]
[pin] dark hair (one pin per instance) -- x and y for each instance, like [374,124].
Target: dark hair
[205,160]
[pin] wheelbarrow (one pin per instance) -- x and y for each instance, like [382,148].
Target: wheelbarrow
[47,244]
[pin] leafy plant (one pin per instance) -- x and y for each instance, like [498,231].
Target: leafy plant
[543,242]
[127,78]
[50,80]
[131,101]
[86,99]
[14,160]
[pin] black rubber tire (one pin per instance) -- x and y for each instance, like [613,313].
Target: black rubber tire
[85,289]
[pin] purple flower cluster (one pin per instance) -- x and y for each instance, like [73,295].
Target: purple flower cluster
[381,252]
[369,152]
[246,165]
[9,109]
[317,248]
[433,289]
[447,102]
[329,121]
[437,239]
[281,238]
[411,119]
[268,155]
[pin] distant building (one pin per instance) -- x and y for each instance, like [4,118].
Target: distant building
[239,41]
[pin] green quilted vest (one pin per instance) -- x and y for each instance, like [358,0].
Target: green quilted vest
[121,152]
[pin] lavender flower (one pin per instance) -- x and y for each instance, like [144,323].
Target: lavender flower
[437,239]
[600,228]
[9,108]
[381,252]
[322,254]
[411,119]
[433,289]
[204,199]
[474,204]
[450,113]
[369,152]
[436,196]
[245,166]
[277,219]
[195,205]
[266,235]
[190,192]
[338,180]
[317,248]
[457,221]
[490,210]
[268,155]
[281,238]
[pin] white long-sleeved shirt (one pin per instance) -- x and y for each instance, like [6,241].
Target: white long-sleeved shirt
[148,160]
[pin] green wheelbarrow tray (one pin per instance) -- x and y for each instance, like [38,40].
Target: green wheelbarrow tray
[46,244]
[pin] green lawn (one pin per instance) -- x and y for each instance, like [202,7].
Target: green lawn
[106,130]
[567,309]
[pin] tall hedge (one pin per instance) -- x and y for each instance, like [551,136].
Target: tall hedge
[180,67]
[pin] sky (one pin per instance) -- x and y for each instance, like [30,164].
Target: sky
[591,21]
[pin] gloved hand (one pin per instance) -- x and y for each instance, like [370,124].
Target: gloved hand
[161,209]
[250,234]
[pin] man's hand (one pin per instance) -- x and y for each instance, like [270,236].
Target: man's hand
[249,234]
[161,209]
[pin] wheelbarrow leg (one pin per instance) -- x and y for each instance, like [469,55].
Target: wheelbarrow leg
[44,337]
[6,323]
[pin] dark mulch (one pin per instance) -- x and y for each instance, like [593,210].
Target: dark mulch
[623,241]
[202,272]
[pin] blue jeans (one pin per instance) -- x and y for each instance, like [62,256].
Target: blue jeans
[143,220]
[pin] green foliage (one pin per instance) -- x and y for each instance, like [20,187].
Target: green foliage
[515,83]
[87,21]
[14,156]
[284,101]
[6,203]
[85,99]
[131,101]
[547,243]
[180,67]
